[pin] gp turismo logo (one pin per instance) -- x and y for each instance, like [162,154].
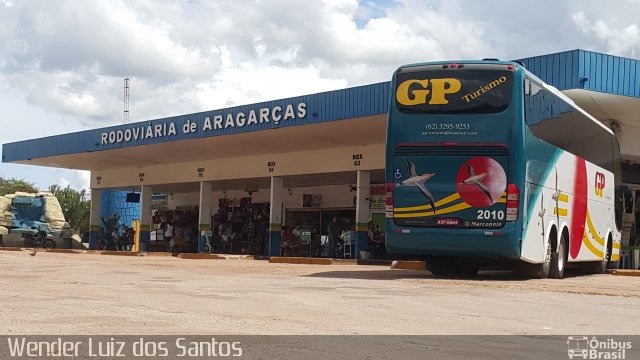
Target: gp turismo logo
[584,348]
[600,184]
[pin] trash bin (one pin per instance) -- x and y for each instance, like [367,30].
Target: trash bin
[67,243]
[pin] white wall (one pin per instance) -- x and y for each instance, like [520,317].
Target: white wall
[329,160]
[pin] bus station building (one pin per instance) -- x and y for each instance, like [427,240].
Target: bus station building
[230,179]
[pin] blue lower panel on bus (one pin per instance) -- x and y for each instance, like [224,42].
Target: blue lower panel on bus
[502,242]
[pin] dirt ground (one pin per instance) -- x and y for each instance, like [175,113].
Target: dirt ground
[100,294]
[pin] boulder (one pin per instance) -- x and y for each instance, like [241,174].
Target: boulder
[22,193]
[10,196]
[5,204]
[6,222]
[52,210]
[45,194]
[9,215]
[3,230]
[59,225]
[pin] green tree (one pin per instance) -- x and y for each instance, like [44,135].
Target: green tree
[75,207]
[10,186]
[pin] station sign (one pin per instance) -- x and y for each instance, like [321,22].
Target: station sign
[206,124]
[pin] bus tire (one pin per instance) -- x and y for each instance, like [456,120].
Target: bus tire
[438,266]
[539,271]
[467,269]
[558,260]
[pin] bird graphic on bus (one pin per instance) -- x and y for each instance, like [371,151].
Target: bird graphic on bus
[418,181]
[477,180]
[481,181]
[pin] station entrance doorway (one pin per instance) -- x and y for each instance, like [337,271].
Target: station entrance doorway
[313,224]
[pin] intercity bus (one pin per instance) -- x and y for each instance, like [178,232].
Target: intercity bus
[486,165]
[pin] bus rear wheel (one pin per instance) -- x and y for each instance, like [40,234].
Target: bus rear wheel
[439,266]
[466,269]
[558,260]
[538,271]
[545,267]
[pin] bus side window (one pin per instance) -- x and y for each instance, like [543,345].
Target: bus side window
[535,102]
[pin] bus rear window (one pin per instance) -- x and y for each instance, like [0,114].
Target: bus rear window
[472,90]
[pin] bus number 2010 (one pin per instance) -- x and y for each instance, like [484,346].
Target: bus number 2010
[490,215]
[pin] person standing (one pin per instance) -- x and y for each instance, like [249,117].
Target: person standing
[376,242]
[168,235]
[115,237]
[333,231]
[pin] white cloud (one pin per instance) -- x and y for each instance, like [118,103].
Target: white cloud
[70,57]
[618,38]
[63,183]
[75,179]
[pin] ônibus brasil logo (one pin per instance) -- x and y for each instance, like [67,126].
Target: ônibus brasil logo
[584,348]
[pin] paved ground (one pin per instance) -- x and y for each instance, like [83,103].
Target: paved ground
[99,294]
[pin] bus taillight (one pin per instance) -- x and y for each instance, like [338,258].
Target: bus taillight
[513,202]
[388,201]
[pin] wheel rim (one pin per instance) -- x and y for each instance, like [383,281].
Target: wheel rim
[561,257]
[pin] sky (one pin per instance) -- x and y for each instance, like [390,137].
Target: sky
[62,63]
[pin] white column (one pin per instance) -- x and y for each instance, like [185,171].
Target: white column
[94,218]
[204,215]
[362,211]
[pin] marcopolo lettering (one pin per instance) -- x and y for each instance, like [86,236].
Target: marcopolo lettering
[416,91]
[260,116]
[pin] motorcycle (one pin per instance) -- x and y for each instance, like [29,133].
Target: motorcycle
[37,239]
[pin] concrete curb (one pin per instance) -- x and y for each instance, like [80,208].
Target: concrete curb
[10,249]
[159,254]
[624,272]
[200,256]
[122,253]
[297,260]
[239,257]
[409,265]
[344,262]
[66,251]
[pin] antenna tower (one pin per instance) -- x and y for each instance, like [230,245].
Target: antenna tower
[126,101]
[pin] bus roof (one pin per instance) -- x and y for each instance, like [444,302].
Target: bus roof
[517,64]
[488,61]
